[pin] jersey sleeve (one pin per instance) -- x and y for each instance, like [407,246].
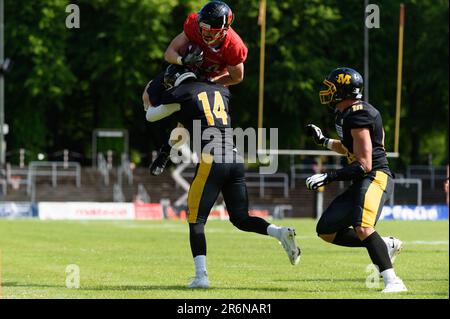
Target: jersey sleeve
[236,54]
[190,27]
[359,119]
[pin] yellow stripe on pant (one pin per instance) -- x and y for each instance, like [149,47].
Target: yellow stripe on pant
[198,185]
[372,199]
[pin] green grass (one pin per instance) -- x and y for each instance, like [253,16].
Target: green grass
[146,259]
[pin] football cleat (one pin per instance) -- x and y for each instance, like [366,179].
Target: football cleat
[200,281]
[160,163]
[287,240]
[394,246]
[396,285]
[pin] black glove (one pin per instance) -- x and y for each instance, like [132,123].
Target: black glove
[193,56]
[316,133]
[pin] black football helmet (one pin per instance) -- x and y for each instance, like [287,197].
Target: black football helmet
[176,74]
[214,19]
[342,83]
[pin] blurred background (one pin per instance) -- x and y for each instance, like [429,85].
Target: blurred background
[67,83]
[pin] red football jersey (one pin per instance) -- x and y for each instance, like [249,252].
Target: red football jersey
[232,51]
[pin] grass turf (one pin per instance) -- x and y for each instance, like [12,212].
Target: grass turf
[152,259]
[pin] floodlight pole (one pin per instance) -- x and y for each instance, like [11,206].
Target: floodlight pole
[366,55]
[2,87]
[399,76]
[262,23]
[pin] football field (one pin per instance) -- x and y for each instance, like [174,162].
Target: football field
[152,259]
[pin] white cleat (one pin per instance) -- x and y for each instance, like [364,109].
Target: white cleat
[394,247]
[201,281]
[396,285]
[287,240]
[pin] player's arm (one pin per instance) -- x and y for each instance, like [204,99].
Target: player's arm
[336,145]
[145,97]
[316,133]
[362,147]
[161,111]
[234,75]
[171,55]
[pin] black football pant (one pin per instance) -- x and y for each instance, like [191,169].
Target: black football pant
[210,179]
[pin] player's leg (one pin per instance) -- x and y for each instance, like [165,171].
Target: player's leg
[236,199]
[375,189]
[334,224]
[203,193]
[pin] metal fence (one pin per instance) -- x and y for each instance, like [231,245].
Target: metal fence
[53,170]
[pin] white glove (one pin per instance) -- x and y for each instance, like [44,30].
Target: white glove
[316,181]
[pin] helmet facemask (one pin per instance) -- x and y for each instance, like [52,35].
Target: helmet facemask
[210,35]
[327,96]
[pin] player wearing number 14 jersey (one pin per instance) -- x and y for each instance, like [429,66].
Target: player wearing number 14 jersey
[191,100]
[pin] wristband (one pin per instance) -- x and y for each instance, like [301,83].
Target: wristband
[328,143]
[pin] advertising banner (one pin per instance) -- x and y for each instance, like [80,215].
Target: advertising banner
[17,210]
[86,211]
[411,212]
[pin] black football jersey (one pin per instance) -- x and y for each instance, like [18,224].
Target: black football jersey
[363,115]
[156,89]
[207,103]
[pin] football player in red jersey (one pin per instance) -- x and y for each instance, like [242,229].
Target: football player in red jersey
[224,52]
[221,58]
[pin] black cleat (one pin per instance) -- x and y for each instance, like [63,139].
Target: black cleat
[160,163]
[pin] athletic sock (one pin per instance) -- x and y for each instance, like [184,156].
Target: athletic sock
[348,238]
[274,231]
[378,251]
[200,265]
[197,239]
[388,275]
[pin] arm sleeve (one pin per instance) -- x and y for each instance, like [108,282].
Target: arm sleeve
[161,111]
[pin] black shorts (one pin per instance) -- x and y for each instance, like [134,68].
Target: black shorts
[359,205]
[210,179]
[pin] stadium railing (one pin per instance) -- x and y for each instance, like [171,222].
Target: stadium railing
[280,180]
[427,172]
[407,182]
[277,180]
[53,170]
[18,176]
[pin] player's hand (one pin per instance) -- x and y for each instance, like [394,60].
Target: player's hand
[193,56]
[316,133]
[317,180]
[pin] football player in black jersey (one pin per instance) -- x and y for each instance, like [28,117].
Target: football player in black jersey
[205,104]
[192,58]
[361,139]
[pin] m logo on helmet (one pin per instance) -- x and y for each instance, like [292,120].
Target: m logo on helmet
[344,78]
